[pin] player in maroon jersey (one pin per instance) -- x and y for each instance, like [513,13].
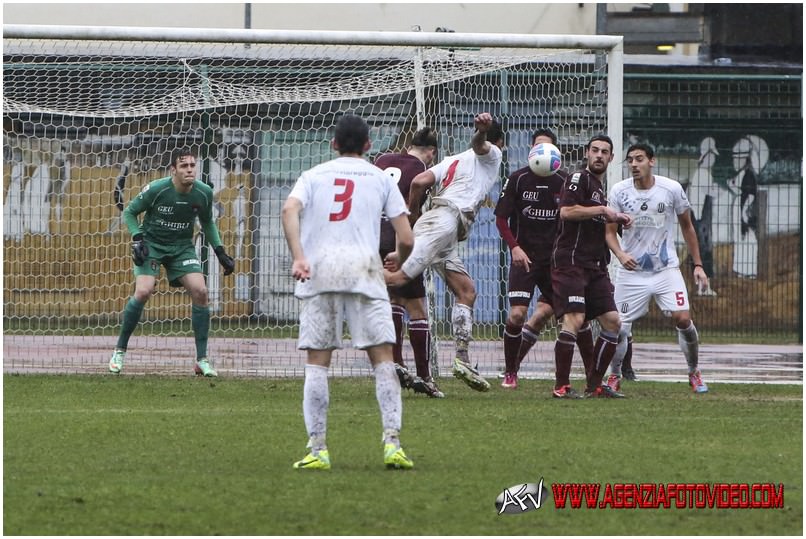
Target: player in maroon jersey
[526,217]
[410,298]
[580,280]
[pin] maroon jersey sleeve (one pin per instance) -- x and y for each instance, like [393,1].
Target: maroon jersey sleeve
[575,191]
[504,211]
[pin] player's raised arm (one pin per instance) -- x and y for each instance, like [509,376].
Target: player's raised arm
[483,121]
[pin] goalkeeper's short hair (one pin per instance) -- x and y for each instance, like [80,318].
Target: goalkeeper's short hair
[179,153]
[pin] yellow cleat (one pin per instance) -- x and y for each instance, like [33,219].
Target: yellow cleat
[314,461]
[395,457]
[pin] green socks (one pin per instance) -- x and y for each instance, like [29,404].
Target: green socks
[200,320]
[131,316]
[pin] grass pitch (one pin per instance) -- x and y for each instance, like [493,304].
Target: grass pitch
[104,455]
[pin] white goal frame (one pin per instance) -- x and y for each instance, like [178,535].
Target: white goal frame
[612,46]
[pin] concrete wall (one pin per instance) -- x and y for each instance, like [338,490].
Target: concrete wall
[568,18]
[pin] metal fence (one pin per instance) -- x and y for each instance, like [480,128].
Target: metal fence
[735,140]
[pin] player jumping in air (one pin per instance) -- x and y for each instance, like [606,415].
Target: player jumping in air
[410,298]
[462,182]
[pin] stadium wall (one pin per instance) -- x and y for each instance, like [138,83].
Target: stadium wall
[534,18]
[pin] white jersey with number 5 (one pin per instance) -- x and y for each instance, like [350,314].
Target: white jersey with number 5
[650,240]
[342,201]
[466,179]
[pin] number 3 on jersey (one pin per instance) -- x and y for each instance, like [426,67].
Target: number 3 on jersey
[345,198]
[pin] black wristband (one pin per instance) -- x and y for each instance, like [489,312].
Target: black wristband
[137,237]
[697,265]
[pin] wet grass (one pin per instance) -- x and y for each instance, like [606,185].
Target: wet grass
[134,455]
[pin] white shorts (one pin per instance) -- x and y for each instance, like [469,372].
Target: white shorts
[436,243]
[634,289]
[321,321]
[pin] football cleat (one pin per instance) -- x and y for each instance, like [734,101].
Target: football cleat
[510,380]
[116,361]
[629,374]
[696,383]
[565,392]
[603,392]
[614,382]
[203,368]
[395,457]
[427,387]
[403,375]
[319,460]
[469,375]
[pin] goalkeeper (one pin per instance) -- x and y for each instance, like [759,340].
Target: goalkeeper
[165,238]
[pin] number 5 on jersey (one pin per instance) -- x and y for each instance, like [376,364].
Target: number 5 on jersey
[345,198]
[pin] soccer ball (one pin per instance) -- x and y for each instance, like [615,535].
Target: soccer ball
[545,159]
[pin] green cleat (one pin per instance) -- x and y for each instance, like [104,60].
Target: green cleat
[203,368]
[116,361]
[395,457]
[314,461]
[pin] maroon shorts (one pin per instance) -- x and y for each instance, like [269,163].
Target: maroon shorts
[522,284]
[582,290]
[415,288]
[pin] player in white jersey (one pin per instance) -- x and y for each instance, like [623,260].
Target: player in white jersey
[331,221]
[462,182]
[650,265]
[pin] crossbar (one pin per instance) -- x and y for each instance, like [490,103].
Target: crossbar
[307,37]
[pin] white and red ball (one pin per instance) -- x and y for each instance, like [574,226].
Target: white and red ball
[545,159]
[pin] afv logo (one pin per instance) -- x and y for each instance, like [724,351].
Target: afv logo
[521,498]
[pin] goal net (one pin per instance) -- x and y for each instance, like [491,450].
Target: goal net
[91,115]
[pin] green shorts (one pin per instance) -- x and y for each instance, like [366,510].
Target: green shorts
[179,260]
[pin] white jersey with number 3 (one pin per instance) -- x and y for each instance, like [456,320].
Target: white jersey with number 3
[650,240]
[342,201]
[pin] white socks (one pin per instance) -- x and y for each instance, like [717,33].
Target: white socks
[462,321]
[316,400]
[315,403]
[387,391]
[689,341]
[621,348]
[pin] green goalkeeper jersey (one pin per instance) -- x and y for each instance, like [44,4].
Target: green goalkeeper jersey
[170,215]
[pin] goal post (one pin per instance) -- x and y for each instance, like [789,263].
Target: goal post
[91,114]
